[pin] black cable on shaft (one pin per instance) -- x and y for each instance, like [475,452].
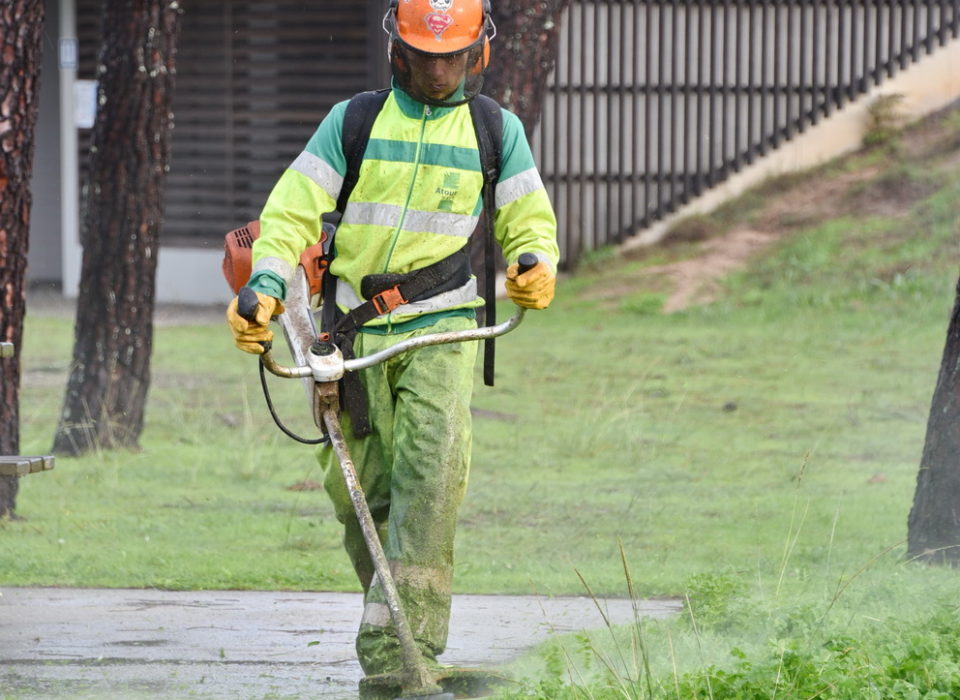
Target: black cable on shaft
[276,418]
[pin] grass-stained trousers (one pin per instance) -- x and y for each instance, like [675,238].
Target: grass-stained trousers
[413,469]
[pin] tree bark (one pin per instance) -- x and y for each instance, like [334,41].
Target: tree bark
[933,528]
[123,206]
[21,32]
[523,54]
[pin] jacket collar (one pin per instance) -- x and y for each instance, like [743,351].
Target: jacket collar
[413,108]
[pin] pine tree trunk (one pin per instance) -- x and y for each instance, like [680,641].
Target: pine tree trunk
[523,54]
[123,205]
[933,529]
[21,31]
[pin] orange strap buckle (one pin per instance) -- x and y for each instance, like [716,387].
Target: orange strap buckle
[388,300]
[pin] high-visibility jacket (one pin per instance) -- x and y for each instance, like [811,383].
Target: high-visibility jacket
[417,200]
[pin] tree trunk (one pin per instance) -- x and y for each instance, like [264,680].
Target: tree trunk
[21,31]
[123,205]
[933,529]
[523,54]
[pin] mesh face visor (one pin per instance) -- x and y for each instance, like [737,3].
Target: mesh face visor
[399,50]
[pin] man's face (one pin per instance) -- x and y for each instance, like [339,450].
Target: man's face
[436,78]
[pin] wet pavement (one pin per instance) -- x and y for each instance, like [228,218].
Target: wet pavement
[108,643]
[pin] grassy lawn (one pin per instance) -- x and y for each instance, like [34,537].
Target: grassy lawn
[757,454]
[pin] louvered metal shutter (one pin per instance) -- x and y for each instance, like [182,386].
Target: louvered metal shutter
[253,81]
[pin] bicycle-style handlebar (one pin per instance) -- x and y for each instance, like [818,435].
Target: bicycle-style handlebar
[325,362]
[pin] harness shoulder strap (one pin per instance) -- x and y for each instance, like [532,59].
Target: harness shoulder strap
[361,113]
[488,124]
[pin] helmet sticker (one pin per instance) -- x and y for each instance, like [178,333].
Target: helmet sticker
[438,23]
[441,5]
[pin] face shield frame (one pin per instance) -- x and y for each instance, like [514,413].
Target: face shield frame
[479,55]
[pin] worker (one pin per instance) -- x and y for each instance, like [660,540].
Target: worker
[416,202]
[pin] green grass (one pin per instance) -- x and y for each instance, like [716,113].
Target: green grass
[758,455]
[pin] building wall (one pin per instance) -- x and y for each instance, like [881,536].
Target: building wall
[43,261]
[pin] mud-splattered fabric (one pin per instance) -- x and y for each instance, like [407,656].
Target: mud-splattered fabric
[413,469]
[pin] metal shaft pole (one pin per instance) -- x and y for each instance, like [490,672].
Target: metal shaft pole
[415,674]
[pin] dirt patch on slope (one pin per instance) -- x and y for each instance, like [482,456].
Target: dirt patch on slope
[885,183]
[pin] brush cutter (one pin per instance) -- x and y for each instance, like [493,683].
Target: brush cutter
[321,365]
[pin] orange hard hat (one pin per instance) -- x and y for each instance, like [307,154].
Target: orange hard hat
[441,26]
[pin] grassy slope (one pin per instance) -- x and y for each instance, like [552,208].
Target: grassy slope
[762,448]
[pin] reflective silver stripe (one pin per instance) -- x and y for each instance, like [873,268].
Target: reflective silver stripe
[346,297]
[442,223]
[415,221]
[320,171]
[372,214]
[375,615]
[513,188]
[276,265]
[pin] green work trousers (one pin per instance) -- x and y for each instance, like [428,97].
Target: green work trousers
[413,469]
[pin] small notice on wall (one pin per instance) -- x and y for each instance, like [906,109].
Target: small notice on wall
[84,103]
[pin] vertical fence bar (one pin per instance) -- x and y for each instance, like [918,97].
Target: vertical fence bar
[930,27]
[878,46]
[789,87]
[777,107]
[582,172]
[915,48]
[954,19]
[751,80]
[764,65]
[891,40]
[856,30]
[724,90]
[942,23]
[804,75]
[597,92]
[904,36]
[868,20]
[562,87]
[679,130]
[840,92]
[661,111]
[701,86]
[710,67]
[738,84]
[569,177]
[634,118]
[623,170]
[815,64]
[829,61]
[648,106]
[689,130]
[608,100]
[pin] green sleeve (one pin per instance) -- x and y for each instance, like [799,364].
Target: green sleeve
[524,221]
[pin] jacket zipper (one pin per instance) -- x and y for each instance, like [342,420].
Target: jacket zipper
[406,204]
[413,179]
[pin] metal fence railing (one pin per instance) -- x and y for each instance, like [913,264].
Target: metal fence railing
[652,103]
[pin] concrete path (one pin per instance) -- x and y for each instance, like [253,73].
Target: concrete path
[242,645]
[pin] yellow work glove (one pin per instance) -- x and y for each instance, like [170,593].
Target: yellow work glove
[248,335]
[534,288]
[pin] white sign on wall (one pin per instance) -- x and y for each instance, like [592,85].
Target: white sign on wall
[68,53]
[84,103]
